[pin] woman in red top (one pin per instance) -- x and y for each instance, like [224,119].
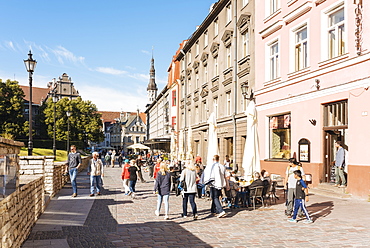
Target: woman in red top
[126,176]
[157,167]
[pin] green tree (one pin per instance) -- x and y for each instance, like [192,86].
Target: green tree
[12,122]
[84,122]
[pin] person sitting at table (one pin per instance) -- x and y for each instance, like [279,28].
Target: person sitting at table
[257,182]
[265,176]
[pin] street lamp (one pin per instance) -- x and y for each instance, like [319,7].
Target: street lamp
[68,115]
[55,100]
[30,67]
[245,87]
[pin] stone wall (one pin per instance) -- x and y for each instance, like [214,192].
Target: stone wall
[10,146]
[52,172]
[20,211]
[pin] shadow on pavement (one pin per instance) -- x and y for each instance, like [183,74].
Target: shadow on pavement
[321,209]
[155,234]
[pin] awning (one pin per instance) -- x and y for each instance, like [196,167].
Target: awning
[157,141]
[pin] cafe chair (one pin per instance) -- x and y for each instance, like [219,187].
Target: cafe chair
[256,193]
[271,194]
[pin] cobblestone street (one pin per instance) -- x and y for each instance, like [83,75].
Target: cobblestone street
[116,220]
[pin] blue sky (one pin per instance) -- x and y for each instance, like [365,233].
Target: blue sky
[104,46]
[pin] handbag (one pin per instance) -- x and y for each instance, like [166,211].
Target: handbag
[182,184]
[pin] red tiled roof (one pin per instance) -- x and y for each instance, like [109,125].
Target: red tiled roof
[109,116]
[143,117]
[38,94]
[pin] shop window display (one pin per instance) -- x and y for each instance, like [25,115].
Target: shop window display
[280,141]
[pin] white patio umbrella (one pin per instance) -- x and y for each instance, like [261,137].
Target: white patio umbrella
[181,154]
[173,146]
[189,152]
[138,146]
[251,157]
[212,139]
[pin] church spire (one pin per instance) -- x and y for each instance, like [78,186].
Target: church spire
[152,86]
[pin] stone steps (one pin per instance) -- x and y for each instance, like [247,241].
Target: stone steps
[328,189]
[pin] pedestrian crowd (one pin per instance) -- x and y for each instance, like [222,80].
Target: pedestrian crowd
[217,182]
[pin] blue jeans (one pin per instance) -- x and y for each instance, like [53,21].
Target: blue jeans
[166,204]
[299,204]
[95,182]
[216,206]
[73,175]
[132,184]
[191,197]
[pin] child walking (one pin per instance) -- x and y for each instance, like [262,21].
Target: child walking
[301,196]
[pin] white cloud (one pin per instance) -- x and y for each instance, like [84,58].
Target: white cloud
[111,99]
[141,77]
[10,45]
[63,55]
[145,52]
[111,71]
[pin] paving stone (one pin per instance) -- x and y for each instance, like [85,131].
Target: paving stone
[116,220]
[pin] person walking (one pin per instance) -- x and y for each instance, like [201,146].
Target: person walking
[126,176]
[301,197]
[74,162]
[189,175]
[107,159]
[214,175]
[133,170]
[290,184]
[162,189]
[139,164]
[340,163]
[120,160]
[113,158]
[96,171]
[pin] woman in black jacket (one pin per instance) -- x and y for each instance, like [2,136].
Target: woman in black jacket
[162,189]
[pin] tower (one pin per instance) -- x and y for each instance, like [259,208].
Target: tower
[152,86]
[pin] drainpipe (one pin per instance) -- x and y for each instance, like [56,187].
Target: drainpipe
[185,108]
[235,80]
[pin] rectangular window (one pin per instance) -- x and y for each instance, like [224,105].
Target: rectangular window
[336,33]
[228,57]
[245,44]
[174,98]
[301,49]
[228,13]
[336,114]
[215,26]
[197,48]
[197,119]
[280,137]
[204,111]
[245,2]
[205,74]
[189,57]
[274,60]
[215,106]
[173,124]
[137,139]
[273,6]
[196,81]
[215,62]
[206,38]
[228,103]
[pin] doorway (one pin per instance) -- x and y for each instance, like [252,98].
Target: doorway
[330,137]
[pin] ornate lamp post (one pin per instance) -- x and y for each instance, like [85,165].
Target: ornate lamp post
[68,115]
[55,100]
[30,67]
[245,87]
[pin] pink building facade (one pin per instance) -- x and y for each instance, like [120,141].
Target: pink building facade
[312,86]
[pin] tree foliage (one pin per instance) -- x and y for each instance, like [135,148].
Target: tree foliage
[12,122]
[84,122]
